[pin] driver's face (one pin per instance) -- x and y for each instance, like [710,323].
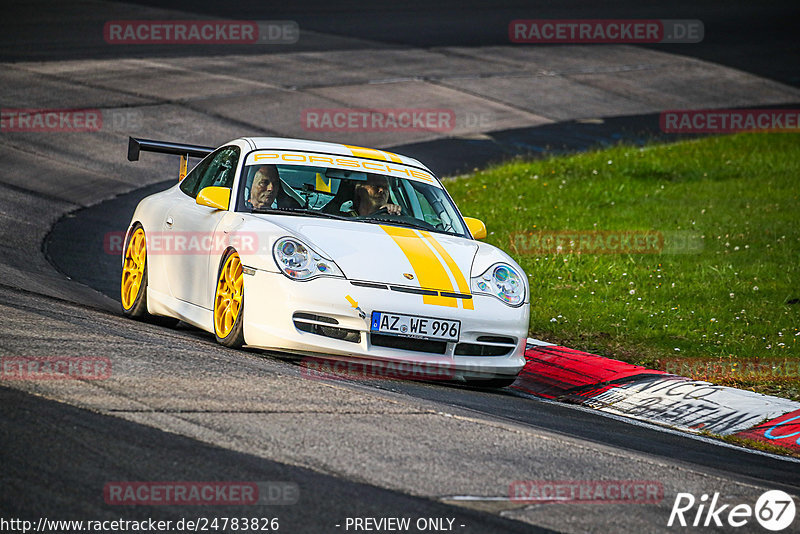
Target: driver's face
[264,192]
[377,190]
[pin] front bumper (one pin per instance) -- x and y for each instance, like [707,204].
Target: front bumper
[290,316]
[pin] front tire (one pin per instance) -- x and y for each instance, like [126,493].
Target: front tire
[229,302]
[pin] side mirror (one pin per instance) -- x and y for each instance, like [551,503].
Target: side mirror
[476,227]
[214,197]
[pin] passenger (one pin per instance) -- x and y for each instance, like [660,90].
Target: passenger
[265,187]
[372,196]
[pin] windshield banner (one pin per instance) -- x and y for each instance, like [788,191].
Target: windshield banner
[280,157]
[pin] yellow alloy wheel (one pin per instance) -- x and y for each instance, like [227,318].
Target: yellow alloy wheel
[133,268]
[228,301]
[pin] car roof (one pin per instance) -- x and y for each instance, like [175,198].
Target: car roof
[306,145]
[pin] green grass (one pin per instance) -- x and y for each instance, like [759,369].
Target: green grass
[737,196]
[757,445]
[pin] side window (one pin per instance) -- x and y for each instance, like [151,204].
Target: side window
[428,213]
[217,169]
[189,184]
[221,170]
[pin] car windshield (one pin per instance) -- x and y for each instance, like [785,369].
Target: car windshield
[347,195]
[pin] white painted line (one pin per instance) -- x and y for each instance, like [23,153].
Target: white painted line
[538,343]
[475,498]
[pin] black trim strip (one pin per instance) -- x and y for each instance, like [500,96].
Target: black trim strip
[414,290]
[455,295]
[372,285]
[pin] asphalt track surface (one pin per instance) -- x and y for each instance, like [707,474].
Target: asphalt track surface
[111,442]
[752,36]
[182,408]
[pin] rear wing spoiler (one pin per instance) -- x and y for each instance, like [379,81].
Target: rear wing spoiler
[135,146]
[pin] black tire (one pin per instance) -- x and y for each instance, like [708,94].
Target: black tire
[138,309]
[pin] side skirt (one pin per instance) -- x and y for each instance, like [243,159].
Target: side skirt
[162,304]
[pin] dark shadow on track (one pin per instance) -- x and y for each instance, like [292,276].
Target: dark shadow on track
[64,475]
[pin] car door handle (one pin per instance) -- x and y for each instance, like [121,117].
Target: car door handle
[170,222]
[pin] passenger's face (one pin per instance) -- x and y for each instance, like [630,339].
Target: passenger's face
[264,192]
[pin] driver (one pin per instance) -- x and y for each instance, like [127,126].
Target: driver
[266,184]
[372,196]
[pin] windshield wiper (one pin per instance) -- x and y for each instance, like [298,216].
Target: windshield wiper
[300,211]
[398,222]
[271,210]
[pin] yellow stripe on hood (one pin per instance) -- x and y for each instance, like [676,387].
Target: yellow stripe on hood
[429,270]
[457,274]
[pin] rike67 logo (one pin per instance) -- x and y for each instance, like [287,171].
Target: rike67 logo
[774,510]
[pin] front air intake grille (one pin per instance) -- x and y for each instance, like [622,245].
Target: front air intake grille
[497,339]
[476,349]
[311,317]
[335,332]
[409,343]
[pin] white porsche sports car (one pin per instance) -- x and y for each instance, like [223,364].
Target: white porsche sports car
[326,250]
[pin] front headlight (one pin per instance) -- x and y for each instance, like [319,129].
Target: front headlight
[501,281]
[298,261]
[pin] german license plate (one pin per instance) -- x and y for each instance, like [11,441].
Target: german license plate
[415,326]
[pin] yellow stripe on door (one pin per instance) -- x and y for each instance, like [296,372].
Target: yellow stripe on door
[429,270]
